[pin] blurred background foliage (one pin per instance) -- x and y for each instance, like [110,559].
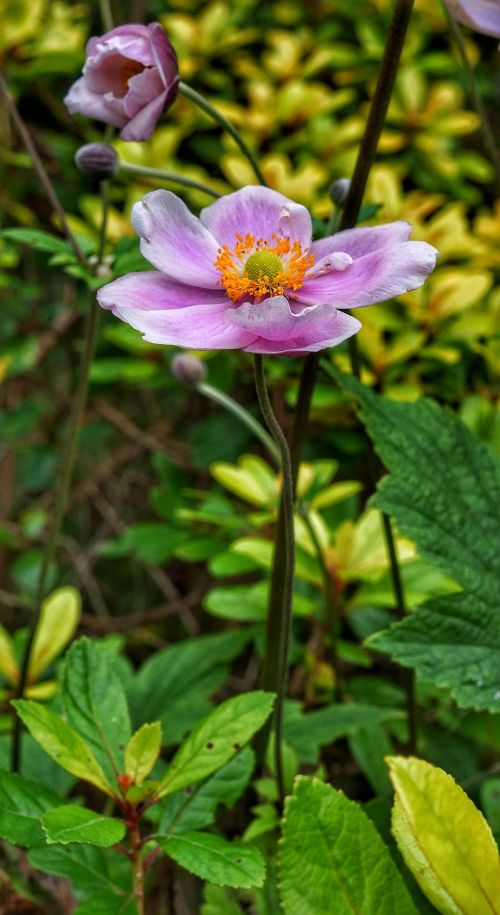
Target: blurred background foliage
[171,516]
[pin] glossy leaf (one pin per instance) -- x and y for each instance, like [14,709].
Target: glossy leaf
[444,839]
[215,859]
[332,859]
[61,742]
[58,621]
[142,751]
[216,740]
[70,823]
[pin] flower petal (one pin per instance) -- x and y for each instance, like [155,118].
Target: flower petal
[260,211]
[198,327]
[142,125]
[174,240]
[481,15]
[82,100]
[153,291]
[375,277]
[282,328]
[358,242]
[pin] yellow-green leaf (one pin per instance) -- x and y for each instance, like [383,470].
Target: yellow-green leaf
[444,839]
[142,751]
[58,621]
[8,663]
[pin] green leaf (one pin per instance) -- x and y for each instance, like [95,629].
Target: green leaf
[59,616]
[95,702]
[107,904]
[215,859]
[216,740]
[218,901]
[70,823]
[444,839]
[22,803]
[444,492]
[174,685]
[61,742]
[91,869]
[196,807]
[306,732]
[490,801]
[142,751]
[333,860]
[41,241]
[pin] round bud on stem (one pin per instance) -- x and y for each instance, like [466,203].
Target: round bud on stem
[339,191]
[188,370]
[97,160]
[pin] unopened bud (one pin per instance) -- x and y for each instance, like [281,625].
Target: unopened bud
[189,370]
[339,191]
[97,160]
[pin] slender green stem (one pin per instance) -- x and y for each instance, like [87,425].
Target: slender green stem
[279,670]
[144,172]
[106,15]
[491,143]
[212,112]
[67,464]
[332,617]
[224,400]
[39,168]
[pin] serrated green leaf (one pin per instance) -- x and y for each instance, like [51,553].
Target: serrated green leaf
[95,702]
[107,904]
[142,751]
[70,823]
[215,859]
[332,859]
[91,870]
[444,492]
[444,839]
[61,742]
[216,740]
[22,803]
[59,616]
[306,732]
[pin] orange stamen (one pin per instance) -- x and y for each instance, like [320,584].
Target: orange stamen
[231,264]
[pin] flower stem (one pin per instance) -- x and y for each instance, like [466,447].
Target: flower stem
[277,652]
[145,172]
[490,143]
[67,463]
[212,112]
[106,15]
[232,406]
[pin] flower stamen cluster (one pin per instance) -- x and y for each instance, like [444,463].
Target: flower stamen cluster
[259,268]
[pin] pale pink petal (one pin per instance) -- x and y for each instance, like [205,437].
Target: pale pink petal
[164,56]
[153,291]
[81,100]
[281,327]
[199,327]
[481,15]
[132,41]
[259,211]
[376,277]
[174,240]
[358,242]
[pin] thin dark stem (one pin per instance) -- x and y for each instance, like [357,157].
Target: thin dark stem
[378,111]
[143,171]
[216,115]
[39,168]
[332,617]
[491,144]
[67,464]
[278,655]
[137,867]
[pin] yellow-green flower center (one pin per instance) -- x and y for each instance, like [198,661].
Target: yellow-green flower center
[263,264]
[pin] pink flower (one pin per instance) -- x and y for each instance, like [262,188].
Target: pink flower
[129,78]
[247,275]
[481,15]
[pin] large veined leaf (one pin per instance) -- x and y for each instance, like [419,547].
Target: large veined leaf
[71,823]
[443,489]
[91,870]
[332,859]
[216,740]
[95,702]
[215,859]
[444,839]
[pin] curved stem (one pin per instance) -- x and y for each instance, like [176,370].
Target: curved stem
[282,609]
[67,464]
[491,144]
[212,112]
[232,406]
[143,171]
[106,15]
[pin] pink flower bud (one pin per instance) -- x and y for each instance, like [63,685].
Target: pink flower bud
[97,160]
[129,78]
[188,370]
